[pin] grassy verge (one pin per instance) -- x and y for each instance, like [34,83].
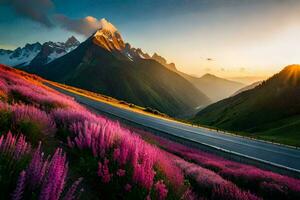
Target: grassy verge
[283,133]
[111,101]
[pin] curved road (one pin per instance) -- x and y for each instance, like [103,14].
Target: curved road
[272,154]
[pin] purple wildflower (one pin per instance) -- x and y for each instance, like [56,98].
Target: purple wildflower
[29,113]
[14,146]
[103,171]
[18,193]
[71,194]
[161,190]
[121,172]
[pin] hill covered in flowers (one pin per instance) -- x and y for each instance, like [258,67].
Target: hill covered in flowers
[53,148]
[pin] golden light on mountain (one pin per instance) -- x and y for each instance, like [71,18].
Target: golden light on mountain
[292,73]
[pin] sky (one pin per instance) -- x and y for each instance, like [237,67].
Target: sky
[228,38]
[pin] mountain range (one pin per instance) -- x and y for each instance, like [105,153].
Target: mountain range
[151,82]
[53,50]
[36,53]
[20,56]
[214,87]
[270,110]
[104,63]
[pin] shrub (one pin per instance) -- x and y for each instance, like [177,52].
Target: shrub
[34,123]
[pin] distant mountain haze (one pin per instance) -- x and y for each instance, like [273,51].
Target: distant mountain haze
[104,63]
[248,80]
[214,87]
[248,87]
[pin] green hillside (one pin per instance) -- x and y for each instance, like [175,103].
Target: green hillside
[270,111]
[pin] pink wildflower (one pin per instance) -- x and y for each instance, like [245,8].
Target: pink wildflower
[161,190]
[29,113]
[71,194]
[14,146]
[121,172]
[103,171]
[54,180]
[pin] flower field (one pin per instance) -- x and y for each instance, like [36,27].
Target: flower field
[264,184]
[53,148]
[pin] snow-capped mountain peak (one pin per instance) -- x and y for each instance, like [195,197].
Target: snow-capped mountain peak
[108,37]
[53,50]
[106,25]
[20,56]
[36,53]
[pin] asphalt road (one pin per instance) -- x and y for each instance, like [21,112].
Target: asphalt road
[268,153]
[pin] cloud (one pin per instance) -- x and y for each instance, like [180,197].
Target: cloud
[36,10]
[85,26]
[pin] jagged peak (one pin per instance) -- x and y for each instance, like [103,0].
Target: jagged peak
[72,39]
[159,58]
[108,37]
[33,44]
[163,61]
[105,25]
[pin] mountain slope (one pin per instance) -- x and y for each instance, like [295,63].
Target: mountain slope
[214,87]
[103,64]
[271,110]
[248,87]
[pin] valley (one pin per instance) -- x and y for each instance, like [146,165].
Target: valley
[149,100]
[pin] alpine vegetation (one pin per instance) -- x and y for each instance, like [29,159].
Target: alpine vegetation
[52,148]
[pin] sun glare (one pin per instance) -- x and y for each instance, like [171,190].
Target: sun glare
[293,73]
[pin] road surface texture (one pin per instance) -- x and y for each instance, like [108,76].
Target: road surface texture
[283,157]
